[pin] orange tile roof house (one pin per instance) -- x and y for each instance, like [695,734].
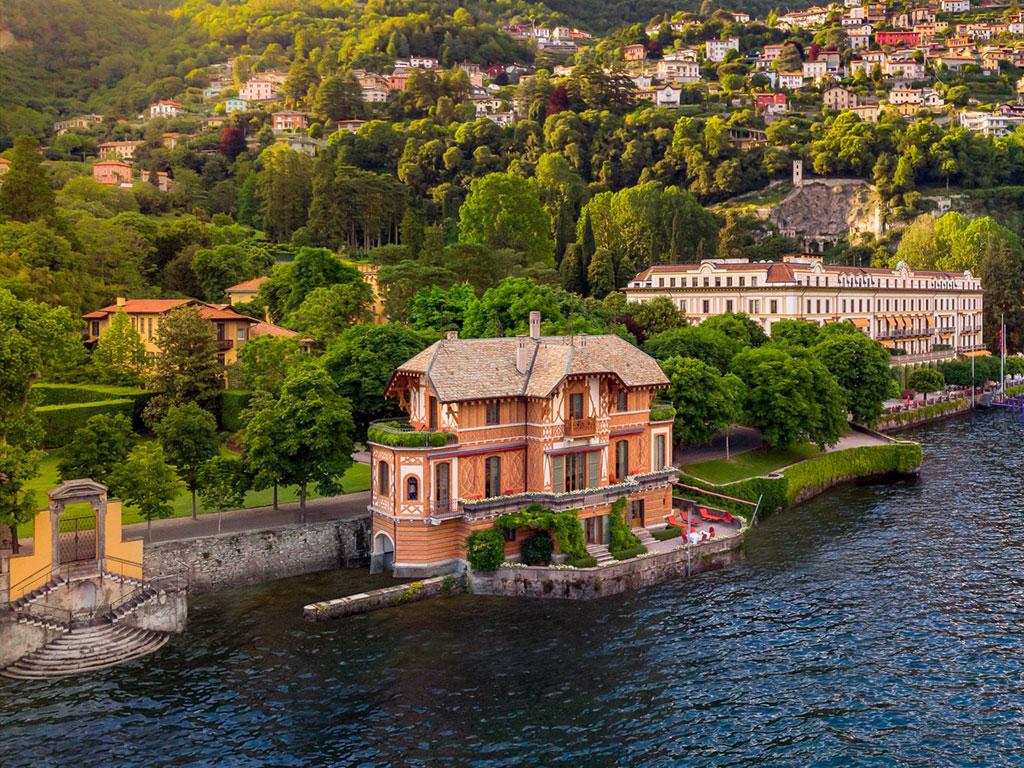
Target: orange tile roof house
[231,329]
[115,172]
[496,425]
[246,290]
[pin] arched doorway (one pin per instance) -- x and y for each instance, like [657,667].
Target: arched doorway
[383,557]
[78,518]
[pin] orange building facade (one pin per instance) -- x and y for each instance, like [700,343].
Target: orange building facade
[495,425]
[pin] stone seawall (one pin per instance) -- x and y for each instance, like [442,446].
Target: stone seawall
[387,597]
[590,583]
[235,559]
[922,416]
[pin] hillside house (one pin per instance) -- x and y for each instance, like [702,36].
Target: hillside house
[112,172]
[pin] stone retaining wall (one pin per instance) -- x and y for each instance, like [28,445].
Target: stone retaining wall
[235,559]
[590,583]
[922,416]
[387,597]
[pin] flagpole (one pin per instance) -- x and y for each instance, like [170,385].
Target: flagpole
[1002,353]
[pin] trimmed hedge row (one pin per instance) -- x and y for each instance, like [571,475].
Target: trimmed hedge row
[233,403]
[924,413]
[45,395]
[778,493]
[865,461]
[391,434]
[60,421]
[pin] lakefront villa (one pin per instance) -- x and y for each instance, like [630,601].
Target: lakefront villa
[495,425]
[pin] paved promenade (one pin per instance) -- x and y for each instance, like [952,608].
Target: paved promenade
[342,507]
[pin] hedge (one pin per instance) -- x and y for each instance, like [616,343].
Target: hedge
[70,394]
[924,413]
[232,404]
[662,412]
[865,461]
[391,434]
[778,493]
[60,421]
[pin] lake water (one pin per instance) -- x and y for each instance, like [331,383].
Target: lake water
[875,625]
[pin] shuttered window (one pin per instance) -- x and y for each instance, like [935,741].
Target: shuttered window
[593,469]
[558,473]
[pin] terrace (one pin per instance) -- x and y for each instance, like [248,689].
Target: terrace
[399,433]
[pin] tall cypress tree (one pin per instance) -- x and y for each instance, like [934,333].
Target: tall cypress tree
[572,270]
[26,194]
[601,273]
[588,242]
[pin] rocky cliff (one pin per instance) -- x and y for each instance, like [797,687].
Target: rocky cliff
[829,209]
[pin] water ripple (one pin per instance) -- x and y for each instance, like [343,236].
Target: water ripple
[877,625]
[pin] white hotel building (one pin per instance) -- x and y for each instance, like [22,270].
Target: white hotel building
[913,311]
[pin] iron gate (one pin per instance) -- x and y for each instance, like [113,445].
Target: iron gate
[77,538]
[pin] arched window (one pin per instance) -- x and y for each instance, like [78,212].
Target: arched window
[412,489]
[383,481]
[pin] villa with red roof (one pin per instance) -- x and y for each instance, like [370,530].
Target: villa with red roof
[231,329]
[495,425]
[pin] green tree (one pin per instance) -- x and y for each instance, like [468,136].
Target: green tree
[223,483]
[304,436]
[697,341]
[573,271]
[97,449]
[601,274]
[339,98]
[327,311]
[790,398]
[362,360]
[504,310]
[285,188]
[222,266]
[705,402]
[186,369]
[146,482]
[926,380]
[650,318]
[263,362]
[439,309]
[860,366]
[120,355]
[503,211]
[33,338]
[739,326]
[25,193]
[188,435]
[798,333]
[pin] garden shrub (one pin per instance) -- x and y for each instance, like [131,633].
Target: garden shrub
[566,525]
[853,462]
[662,411]
[59,422]
[233,403]
[390,433]
[626,554]
[485,550]
[537,549]
[586,561]
[621,537]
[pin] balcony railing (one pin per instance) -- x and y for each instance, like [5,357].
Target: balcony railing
[399,433]
[444,509]
[223,345]
[584,427]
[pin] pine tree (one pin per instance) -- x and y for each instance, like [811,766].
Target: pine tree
[676,246]
[26,194]
[248,202]
[572,270]
[186,370]
[601,273]
[412,231]
[589,245]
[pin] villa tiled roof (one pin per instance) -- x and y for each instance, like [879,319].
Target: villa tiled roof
[139,307]
[477,369]
[247,285]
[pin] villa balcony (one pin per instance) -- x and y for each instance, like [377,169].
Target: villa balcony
[585,427]
[223,345]
[445,509]
[399,433]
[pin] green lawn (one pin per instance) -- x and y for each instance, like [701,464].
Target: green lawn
[356,479]
[750,464]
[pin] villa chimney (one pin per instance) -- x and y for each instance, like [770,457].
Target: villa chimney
[120,301]
[535,325]
[522,354]
[452,335]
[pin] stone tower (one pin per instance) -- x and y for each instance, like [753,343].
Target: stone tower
[798,173]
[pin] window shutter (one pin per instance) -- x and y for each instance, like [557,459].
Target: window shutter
[557,474]
[593,468]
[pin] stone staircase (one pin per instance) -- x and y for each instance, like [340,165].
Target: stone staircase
[88,649]
[38,592]
[644,537]
[600,553]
